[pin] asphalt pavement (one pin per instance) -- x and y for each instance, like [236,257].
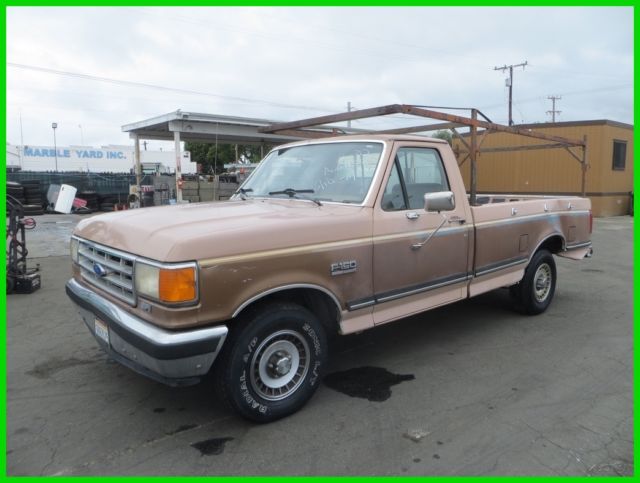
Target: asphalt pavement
[469,389]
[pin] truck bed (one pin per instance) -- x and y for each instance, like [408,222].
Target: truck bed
[508,229]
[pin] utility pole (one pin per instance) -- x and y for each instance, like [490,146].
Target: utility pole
[21,143]
[553,109]
[510,84]
[54,126]
[349,110]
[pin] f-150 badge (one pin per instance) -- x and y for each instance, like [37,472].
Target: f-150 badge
[340,268]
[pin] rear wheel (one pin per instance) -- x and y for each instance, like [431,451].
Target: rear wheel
[272,362]
[535,291]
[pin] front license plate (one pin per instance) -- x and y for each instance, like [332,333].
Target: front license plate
[102,331]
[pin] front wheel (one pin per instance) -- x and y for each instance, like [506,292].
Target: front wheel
[536,289]
[272,362]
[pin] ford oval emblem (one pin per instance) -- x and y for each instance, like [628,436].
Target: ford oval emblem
[99,270]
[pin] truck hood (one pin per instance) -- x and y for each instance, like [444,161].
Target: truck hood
[218,229]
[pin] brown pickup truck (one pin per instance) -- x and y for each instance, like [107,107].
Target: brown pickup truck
[328,236]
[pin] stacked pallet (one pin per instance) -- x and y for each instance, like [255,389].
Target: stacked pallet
[226,190]
[191,191]
[207,190]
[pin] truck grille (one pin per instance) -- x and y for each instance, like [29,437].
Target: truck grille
[117,269]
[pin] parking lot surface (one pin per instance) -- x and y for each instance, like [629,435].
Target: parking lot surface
[469,389]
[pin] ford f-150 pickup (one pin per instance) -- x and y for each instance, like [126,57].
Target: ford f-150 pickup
[328,236]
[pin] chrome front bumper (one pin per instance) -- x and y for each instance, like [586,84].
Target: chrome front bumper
[172,357]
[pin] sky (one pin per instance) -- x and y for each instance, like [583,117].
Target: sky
[286,63]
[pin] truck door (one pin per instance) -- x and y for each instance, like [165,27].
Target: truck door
[408,279]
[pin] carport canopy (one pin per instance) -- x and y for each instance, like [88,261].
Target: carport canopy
[208,128]
[212,128]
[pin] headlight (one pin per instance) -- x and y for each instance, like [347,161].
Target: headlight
[166,283]
[73,248]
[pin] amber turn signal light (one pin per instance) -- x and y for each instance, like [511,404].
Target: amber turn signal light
[177,285]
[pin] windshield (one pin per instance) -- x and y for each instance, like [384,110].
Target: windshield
[340,172]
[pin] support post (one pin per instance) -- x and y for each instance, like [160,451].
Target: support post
[510,95]
[584,167]
[176,139]
[136,155]
[473,155]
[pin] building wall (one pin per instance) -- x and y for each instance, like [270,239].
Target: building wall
[112,159]
[554,171]
[13,156]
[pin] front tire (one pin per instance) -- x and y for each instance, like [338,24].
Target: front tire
[272,362]
[535,291]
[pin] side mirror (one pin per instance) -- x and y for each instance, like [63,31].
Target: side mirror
[440,201]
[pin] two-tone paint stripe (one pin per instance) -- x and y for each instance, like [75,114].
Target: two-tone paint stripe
[407,291]
[578,245]
[286,251]
[501,265]
[527,218]
[317,247]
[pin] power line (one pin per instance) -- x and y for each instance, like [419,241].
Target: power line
[553,110]
[287,39]
[567,94]
[129,83]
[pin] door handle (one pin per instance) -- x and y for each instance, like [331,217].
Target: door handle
[457,219]
[412,215]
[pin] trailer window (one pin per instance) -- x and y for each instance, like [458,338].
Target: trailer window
[619,155]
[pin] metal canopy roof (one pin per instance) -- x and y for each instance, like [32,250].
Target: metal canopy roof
[212,128]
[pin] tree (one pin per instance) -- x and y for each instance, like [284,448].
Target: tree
[446,135]
[213,157]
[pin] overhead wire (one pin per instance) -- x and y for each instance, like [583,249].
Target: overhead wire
[283,38]
[129,83]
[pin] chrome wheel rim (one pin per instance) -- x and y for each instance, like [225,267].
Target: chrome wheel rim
[279,365]
[542,282]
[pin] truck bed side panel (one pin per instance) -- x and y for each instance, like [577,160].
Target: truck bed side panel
[509,233]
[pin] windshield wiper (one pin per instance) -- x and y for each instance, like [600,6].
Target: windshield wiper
[243,192]
[293,194]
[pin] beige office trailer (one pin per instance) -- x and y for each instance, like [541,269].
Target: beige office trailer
[608,180]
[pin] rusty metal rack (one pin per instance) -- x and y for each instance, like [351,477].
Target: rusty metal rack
[305,128]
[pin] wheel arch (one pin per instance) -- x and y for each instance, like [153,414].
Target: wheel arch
[319,300]
[555,243]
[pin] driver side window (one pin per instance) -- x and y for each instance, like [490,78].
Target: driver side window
[393,198]
[416,171]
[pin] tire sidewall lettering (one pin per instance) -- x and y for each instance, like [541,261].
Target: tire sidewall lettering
[241,358]
[247,397]
[314,338]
